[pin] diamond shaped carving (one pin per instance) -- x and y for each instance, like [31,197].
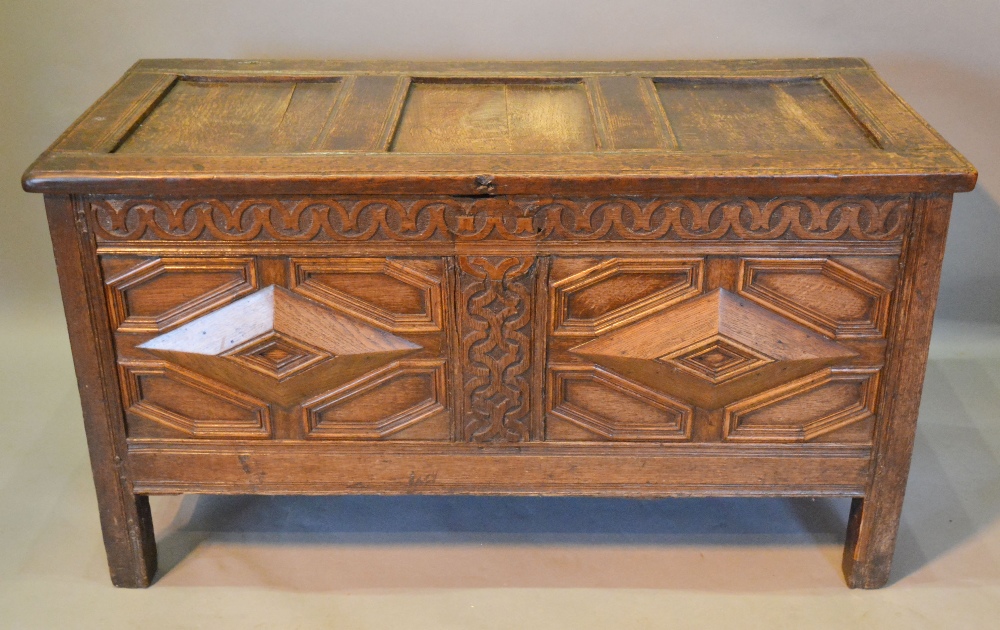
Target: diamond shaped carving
[713,350]
[279,345]
[277,356]
[717,359]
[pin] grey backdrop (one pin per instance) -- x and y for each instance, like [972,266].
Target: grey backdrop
[58,57]
[497,562]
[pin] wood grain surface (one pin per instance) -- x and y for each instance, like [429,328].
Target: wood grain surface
[644,280]
[815,126]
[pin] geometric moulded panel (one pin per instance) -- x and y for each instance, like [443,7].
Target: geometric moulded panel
[822,403]
[176,399]
[713,350]
[400,295]
[620,290]
[279,346]
[403,400]
[588,403]
[163,292]
[818,292]
[716,359]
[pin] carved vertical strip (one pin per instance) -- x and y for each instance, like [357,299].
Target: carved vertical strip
[456,401]
[539,357]
[495,325]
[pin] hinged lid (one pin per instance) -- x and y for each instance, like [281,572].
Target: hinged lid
[755,126]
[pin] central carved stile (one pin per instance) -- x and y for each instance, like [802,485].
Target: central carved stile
[495,325]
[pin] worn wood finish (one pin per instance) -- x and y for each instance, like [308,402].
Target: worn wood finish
[220,118]
[531,469]
[837,114]
[508,117]
[125,518]
[874,518]
[641,279]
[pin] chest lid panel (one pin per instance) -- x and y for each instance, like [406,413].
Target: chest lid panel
[826,125]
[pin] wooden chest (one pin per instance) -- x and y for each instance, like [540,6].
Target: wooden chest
[636,280]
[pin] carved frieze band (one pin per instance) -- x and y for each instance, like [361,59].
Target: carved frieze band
[515,219]
[495,326]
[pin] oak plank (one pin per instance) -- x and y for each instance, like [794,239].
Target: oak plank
[365,119]
[630,115]
[126,522]
[436,470]
[874,518]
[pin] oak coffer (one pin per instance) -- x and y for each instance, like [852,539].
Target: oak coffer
[692,278]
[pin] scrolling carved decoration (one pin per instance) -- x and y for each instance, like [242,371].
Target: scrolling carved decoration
[516,219]
[495,326]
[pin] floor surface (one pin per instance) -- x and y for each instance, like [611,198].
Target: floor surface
[445,562]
